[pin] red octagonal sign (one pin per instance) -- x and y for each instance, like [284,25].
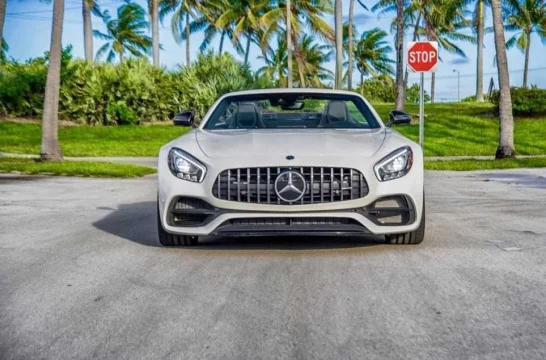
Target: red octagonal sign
[423,56]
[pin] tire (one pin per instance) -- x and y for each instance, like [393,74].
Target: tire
[168,239]
[412,238]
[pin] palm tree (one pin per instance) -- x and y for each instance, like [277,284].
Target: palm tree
[350,42]
[478,22]
[51,150]
[372,54]
[3,5]
[88,7]
[244,17]
[506,120]
[288,37]
[182,11]
[210,11]
[400,88]
[315,59]
[445,22]
[154,18]
[276,62]
[126,34]
[306,15]
[525,17]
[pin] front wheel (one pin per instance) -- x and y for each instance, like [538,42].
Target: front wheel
[415,237]
[168,239]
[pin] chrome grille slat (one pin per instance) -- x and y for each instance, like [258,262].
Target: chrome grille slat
[256,185]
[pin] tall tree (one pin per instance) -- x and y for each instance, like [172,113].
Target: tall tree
[315,59]
[339,44]
[126,34]
[3,5]
[276,62]
[244,16]
[400,89]
[306,15]
[445,22]
[87,29]
[288,20]
[154,18]
[183,11]
[506,119]
[478,22]
[526,17]
[372,55]
[51,149]
[350,41]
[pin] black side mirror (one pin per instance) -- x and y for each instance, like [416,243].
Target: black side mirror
[184,119]
[399,118]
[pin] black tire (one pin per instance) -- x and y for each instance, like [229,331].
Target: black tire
[413,238]
[168,239]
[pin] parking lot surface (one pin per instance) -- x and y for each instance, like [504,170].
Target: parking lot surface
[82,276]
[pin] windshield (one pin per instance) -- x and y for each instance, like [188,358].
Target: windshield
[289,110]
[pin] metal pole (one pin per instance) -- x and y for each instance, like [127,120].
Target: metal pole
[422,111]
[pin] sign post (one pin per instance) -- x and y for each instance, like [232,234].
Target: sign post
[422,58]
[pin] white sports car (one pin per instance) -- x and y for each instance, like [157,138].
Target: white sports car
[291,162]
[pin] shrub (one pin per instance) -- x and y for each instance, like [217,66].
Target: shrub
[525,101]
[378,89]
[413,95]
[129,93]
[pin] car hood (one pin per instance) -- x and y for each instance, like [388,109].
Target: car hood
[317,142]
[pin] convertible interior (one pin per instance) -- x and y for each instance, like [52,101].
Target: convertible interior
[249,115]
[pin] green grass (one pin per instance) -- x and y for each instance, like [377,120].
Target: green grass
[468,129]
[73,168]
[90,140]
[450,129]
[470,165]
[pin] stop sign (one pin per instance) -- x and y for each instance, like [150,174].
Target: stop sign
[423,56]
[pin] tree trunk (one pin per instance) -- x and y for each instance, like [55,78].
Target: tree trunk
[221,50]
[3,5]
[155,31]
[187,31]
[479,64]
[299,60]
[51,150]
[400,91]
[526,66]
[87,30]
[506,120]
[415,37]
[339,44]
[351,45]
[247,49]
[289,42]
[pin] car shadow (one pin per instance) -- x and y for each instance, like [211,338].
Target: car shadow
[137,223]
[526,180]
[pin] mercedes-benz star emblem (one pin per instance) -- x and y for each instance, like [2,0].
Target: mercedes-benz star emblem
[290,186]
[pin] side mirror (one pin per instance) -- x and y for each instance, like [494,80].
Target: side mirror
[184,119]
[399,118]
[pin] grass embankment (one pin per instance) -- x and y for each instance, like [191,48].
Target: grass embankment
[471,165]
[73,168]
[450,129]
[468,129]
[90,140]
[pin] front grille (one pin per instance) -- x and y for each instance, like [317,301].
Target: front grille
[187,212]
[323,185]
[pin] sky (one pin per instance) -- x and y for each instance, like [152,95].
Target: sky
[27,30]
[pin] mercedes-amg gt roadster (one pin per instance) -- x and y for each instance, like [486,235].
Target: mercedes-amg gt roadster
[291,162]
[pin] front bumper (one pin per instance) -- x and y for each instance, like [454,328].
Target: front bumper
[349,217]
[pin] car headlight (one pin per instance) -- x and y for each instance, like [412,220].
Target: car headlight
[395,165]
[185,166]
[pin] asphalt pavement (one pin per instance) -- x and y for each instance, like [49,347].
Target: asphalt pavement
[82,276]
